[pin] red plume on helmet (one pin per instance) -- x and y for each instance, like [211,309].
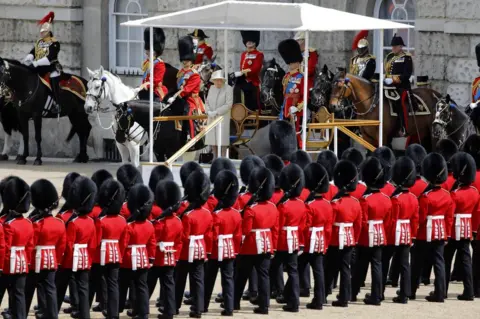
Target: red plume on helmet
[48,18]
[360,35]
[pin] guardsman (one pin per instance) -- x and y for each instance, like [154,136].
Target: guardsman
[196,242]
[377,211]
[110,226]
[260,227]
[160,90]
[293,99]
[49,242]
[44,57]
[312,58]
[227,238]
[356,157]
[362,64]
[465,198]
[18,243]
[202,49]
[328,160]
[318,229]
[3,216]
[302,159]
[447,148]
[417,153]
[159,173]
[283,140]
[404,226]
[129,176]
[275,164]
[137,247]
[435,225]
[81,244]
[248,77]
[66,211]
[346,230]
[185,171]
[474,115]
[398,70]
[387,159]
[218,165]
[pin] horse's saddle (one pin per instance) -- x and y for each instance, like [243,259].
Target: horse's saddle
[68,82]
[392,95]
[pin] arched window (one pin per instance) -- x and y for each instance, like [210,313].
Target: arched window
[126,43]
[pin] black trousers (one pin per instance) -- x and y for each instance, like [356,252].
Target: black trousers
[316,261]
[400,261]
[277,283]
[245,264]
[372,256]
[140,304]
[196,273]
[97,285]
[304,271]
[360,270]
[167,287]
[253,283]
[388,263]
[226,273]
[44,282]
[16,289]
[3,288]
[340,260]
[250,94]
[476,266]
[394,270]
[331,270]
[73,293]
[111,275]
[462,247]
[62,279]
[292,286]
[433,251]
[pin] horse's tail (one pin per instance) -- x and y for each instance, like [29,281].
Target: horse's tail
[71,134]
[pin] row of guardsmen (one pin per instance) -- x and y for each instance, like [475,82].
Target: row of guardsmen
[118,237]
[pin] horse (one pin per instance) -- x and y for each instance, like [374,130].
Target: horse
[271,93]
[32,99]
[364,98]
[322,88]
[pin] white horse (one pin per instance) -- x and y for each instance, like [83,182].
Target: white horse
[104,85]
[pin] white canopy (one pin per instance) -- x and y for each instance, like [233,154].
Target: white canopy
[262,16]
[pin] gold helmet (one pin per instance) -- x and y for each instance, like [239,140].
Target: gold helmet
[363,43]
[46,22]
[300,35]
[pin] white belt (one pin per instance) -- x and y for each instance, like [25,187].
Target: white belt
[258,238]
[313,237]
[290,239]
[430,218]
[341,233]
[13,257]
[103,249]
[371,230]
[221,244]
[398,229]
[135,256]
[166,246]
[76,252]
[38,256]
[458,224]
[191,246]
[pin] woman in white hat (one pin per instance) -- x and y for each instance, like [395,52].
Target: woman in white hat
[219,103]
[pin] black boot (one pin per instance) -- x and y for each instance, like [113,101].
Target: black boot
[55,84]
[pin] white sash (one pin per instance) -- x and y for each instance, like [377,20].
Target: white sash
[76,255]
[38,256]
[430,219]
[191,246]
[103,249]
[313,238]
[341,233]
[221,244]
[398,229]
[290,238]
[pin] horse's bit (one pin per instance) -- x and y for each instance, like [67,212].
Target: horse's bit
[101,94]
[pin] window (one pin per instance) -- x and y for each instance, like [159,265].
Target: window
[126,43]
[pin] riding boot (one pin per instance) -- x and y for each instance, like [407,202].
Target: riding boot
[401,119]
[55,84]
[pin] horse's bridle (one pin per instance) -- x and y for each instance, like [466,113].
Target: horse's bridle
[5,88]
[270,96]
[101,93]
[340,97]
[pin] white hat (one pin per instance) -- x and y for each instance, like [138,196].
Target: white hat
[300,35]
[217,75]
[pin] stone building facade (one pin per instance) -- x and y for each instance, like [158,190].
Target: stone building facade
[443,43]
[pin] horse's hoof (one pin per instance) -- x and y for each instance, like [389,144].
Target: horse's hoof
[21,161]
[81,159]
[37,162]
[18,157]
[3,157]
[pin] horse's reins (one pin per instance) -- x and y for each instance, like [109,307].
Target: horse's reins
[445,124]
[348,85]
[31,95]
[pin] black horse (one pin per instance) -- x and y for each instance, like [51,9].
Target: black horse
[271,93]
[33,99]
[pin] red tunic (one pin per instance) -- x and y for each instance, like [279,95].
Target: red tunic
[291,216]
[81,242]
[404,226]
[358,192]
[312,65]
[332,191]
[243,199]
[388,189]
[277,196]
[95,213]
[448,184]
[125,212]
[419,187]
[2,247]
[347,223]
[109,229]
[304,194]
[435,215]
[155,212]
[168,233]
[65,215]
[252,60]
[18,245]
[476,213]
[158,74]
[197,234]
[49,241]
[137,245]
[189,82]
[227,234]
[376,219]
[203,49]
[212,202]
[260,227]
[465,199]
[318,226]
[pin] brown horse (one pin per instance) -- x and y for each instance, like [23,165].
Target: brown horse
[364,98]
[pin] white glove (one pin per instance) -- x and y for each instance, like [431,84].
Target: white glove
[473,105]
[34,63]
[388,81]
[28,59]
[170,100]
[238,74]
[293,109]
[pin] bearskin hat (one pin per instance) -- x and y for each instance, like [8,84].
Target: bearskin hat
[416,153]
[301,158]
[290,51]
[328,160]
[16,195]
[292,180]
[472,147]
[187,169]
[434,168]
[167,194]
[275,165]
[345,175]
[3,183]
[82,195]
[197,188]
[447,148]
[373,173]
[111,197]
[316,178]
[67,183]
[129,175]
[464,168]
[354,155]
[158,40]
[44,195]
[99,177]
[140,202]
[387,158]
[248,164]
[159,173]
[186,48]
[262,183]
[404,172]
[253,36]
[219,164]
[283,139]
[225,188]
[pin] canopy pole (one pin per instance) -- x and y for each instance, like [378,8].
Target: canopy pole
[380,95]
[225,57]
[150,127]
[305,92]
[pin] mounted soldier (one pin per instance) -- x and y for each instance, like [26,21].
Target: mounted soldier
[363,63]
[312,58]
[474,115]
[202,49]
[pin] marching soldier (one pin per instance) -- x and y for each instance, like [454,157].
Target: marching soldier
[398,70]
[3,216]
[447,148]
[275,165]
[128,175]
[363,64]
[328,160]
[218,165]
[356,157]
[159,173]
[293,100]
[312,58]
[202,49]
[302,159]
[417,153]
[185,171]
[435,224]
[387,159]
[283,140]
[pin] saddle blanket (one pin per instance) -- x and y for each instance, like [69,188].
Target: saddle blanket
[392,95]
[73,84]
